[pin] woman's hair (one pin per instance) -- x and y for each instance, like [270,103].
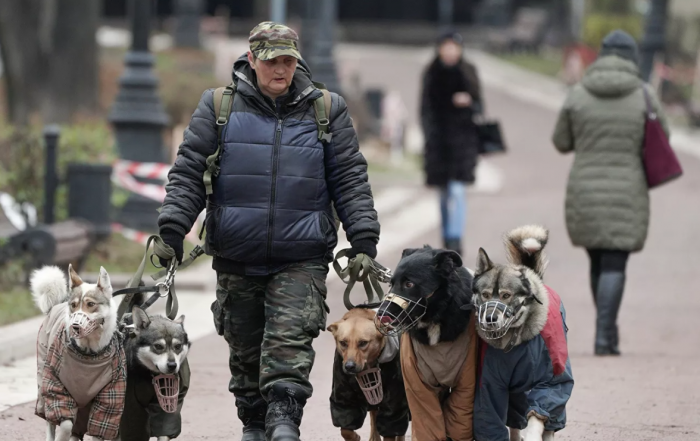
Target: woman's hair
[450,36]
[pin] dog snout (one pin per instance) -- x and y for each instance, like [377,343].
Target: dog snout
[350,367]
[171,366]
[492,317]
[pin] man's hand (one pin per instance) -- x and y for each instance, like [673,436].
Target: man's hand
[363,246]
[176,242]
[462,99]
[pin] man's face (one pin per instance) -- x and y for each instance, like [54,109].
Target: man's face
[275,75]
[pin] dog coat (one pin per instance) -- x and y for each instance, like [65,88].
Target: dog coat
[440,382]
[533,378]
[349,406]
[87,389]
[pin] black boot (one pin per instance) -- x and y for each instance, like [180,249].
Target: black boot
[284,411]
[609,296]
[252,411]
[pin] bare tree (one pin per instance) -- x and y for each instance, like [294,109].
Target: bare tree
[50,56]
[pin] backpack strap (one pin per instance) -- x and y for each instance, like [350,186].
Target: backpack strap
[322,109]
[223,99]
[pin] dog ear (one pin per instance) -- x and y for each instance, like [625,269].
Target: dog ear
[141,319]
[103,281]
[73,278]
[180,320]
[483,263]
[447,261]
[332,328]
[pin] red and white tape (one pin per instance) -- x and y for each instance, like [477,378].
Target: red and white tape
[123,173]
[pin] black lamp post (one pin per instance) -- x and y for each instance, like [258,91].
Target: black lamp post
[138,116]
[445,14]
[188,13]
[654,39]
[318,41]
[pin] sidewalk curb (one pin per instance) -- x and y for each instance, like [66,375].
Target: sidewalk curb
[18,340]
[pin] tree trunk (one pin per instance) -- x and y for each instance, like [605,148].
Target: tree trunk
[73,59]
[22,57]
[49,54]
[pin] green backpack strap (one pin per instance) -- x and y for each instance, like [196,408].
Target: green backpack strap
[223,99]
[322,108]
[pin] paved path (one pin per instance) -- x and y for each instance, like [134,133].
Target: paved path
[650,393]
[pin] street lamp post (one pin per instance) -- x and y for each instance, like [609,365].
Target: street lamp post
[321,19]
[188,15]
[654,39]
[138,116]
[445,13]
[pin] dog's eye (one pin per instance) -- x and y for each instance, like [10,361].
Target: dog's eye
[485,294]
[344,344]
[91,304]
[177,347]
[408,285]
[363,343]
[505,295]
[158,347]
[74,305]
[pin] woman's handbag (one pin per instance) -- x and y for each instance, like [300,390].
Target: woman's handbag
[660,162]
[489,137]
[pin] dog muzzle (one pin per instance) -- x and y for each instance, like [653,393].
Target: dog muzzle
[81,325]
[167,388]
[496,318]
[397,314]
[370,381]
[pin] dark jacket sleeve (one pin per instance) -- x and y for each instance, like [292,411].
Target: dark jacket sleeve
[346,176]
[425,107]
[185,193]
[474,87]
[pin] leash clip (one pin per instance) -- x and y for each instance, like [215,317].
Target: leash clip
[164,286]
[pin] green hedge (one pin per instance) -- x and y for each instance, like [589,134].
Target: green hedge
[597,26]
[22,159]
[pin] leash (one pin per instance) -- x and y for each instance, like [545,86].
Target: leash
[361,268]
[166,288]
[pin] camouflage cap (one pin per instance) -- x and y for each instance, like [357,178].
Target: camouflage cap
[269,40]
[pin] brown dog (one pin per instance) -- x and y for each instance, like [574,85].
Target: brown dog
[361,347]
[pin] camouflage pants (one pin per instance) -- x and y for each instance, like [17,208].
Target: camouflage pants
[269,323]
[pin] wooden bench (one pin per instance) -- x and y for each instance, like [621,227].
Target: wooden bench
[526,33]
[58,244]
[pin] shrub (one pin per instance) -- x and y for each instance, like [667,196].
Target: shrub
[597,26]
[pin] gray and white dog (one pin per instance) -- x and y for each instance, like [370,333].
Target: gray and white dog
[526,377]
[158,376]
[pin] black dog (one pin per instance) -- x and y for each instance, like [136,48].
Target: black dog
[439,342]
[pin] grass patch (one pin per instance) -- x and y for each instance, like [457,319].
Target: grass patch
[121,255]
[547,62]
[16,305]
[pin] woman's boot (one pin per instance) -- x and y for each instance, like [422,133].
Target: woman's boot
[252,411]
[608,298]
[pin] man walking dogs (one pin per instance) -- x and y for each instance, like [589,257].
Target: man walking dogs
[269,164]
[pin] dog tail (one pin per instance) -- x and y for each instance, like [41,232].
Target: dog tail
[525,245]
[49,287]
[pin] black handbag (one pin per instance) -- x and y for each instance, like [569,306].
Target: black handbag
[490,137]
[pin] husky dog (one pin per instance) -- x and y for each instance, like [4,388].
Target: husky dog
[81,365]
[158,376]
[526,377]
[439,342]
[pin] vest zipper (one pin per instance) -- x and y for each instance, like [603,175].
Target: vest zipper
[275,160]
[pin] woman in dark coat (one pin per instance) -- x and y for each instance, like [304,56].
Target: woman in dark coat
[450,99]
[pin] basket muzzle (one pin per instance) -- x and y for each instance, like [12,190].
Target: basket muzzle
[81,325]
[370,381]
[167,388]
[397,314]
[496,318]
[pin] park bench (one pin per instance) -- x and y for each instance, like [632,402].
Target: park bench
[59,244]
[526,33]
